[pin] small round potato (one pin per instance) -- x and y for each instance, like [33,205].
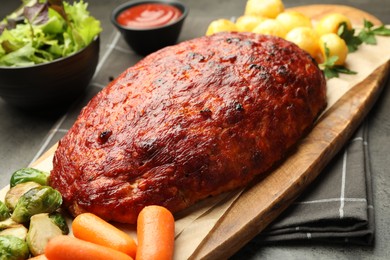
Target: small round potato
[266,8]
[306,38]
[220,25]
[293,19]
[336,45]
[331,23]
[271,27]
[247,23]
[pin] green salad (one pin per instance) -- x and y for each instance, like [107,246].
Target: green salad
[40,31]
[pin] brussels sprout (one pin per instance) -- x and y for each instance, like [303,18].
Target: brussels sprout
[4,211]
[29,174]
[19,231]
[42,199]
[8,223]
[13,194]
[42,229]
[13,248]
[60,221]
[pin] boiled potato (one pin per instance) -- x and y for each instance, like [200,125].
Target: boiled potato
[221,25]
[331,23]
[306,38]
[293,19]
[336,45]
[247,23]
[271,27]
[266,8]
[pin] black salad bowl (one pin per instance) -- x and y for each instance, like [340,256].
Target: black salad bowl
[51,85]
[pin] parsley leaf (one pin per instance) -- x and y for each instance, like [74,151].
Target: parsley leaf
[330,69]
[368,33]
[349,37]
[382,30]
[330,73]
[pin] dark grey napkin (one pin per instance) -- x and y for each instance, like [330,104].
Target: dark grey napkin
[337,207]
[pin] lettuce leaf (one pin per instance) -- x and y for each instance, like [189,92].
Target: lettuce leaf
[45,30]
[23,57]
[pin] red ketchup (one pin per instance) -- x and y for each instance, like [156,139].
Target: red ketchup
[151,15]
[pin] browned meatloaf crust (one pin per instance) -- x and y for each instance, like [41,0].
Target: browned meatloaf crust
[189,121]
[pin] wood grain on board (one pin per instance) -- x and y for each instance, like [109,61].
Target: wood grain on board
[265,199]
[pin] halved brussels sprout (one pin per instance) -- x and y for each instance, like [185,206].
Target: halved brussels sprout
[19,231]
[13,194]
[8,223]
[42,199]
[13,248]
[60,222]
[4,211]
[29,174]
[43,227]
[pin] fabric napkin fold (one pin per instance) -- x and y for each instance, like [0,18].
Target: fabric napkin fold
[338,207]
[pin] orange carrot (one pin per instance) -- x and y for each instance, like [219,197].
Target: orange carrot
[71,248]
[156,233]
[92,228]
[38,257]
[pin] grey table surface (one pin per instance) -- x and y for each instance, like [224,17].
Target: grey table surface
[22,134]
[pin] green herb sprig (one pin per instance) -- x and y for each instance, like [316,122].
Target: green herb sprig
[348,35]
[330,69]
[367,35]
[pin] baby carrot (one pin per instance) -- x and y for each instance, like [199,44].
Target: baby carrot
[92,228]
[155,233]
[71,248]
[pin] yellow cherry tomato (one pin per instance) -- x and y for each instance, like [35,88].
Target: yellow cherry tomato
[266,8]
[221,25]
[336,45]
[306,38]
[247,23]
[331,23]
[293,19]
[271,27]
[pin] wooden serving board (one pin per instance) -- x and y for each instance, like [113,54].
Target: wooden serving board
[265,199]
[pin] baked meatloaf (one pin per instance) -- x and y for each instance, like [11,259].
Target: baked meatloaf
[187,122]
